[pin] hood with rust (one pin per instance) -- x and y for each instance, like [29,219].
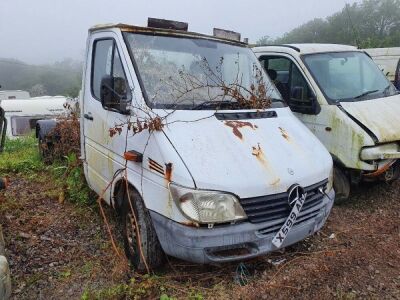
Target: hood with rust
[380,116]
[248,157]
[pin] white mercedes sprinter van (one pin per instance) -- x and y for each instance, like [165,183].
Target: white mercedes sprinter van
[216,181]
[340,94]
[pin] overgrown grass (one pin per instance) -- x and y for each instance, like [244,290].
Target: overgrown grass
[21,156]
[69,174]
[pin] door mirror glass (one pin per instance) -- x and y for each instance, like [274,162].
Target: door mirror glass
[114,94]
[297,93]
[301,102]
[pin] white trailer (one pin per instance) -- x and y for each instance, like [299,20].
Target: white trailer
[22,115]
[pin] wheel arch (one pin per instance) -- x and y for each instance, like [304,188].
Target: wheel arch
[119,189]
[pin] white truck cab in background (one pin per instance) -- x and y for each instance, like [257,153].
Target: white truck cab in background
[216,182]
[340,94]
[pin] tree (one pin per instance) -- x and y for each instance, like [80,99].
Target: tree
[38,90]
[372,23]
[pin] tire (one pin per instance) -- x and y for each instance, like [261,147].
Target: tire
[392,174]
[341,185]
[151,248]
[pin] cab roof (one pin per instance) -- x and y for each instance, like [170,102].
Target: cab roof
[162,31]
[305,48]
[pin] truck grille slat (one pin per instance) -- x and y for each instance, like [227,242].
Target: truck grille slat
[303,217]
[273,207]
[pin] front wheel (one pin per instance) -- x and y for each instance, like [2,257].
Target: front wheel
[140,239]
[341,185]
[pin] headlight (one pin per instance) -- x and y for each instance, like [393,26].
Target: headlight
[329,186]
[207,207]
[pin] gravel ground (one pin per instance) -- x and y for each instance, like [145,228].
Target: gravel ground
[60,250]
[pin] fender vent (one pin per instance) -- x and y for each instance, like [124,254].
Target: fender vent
[155,166]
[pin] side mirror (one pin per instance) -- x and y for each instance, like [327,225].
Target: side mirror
[297,93]
[301,103]
[115,94]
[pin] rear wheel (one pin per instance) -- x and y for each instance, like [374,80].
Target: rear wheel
[341,185]
[140,239]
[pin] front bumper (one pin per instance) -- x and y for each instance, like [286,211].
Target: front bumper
[230,242]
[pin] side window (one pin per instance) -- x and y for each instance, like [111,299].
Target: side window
[291,83]
[102,53]
[109,82]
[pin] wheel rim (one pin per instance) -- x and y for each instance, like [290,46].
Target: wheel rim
[131,237]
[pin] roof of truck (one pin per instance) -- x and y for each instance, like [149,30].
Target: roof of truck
[305,48]
[161,31]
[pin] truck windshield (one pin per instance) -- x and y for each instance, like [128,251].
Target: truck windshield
[195,73]
[348,76]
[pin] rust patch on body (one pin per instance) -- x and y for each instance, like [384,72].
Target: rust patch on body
[259,154]
[284,134]
[236,125]
[168,172]
[381,170]
[276,182]
[191,224]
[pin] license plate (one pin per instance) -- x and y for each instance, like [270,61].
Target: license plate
[280,237]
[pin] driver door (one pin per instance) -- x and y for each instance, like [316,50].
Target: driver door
[101,149]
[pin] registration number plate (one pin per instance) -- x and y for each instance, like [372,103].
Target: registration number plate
[280,237]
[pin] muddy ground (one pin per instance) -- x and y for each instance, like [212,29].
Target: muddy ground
[63,251]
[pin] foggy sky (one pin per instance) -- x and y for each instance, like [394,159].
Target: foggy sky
[44,31]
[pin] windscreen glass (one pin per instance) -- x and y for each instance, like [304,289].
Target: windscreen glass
[348,76]
[192,73]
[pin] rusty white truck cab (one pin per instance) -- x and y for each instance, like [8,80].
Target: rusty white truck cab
[213,182]
[340,94]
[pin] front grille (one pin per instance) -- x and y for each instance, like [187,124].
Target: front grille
[276,208]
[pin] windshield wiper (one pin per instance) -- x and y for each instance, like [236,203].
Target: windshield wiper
[213,104]
[366,93]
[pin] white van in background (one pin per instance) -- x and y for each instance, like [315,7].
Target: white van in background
[341,95]
[22,115]
[388,60]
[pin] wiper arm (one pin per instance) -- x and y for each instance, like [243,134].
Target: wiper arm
[208,104]
[366,93]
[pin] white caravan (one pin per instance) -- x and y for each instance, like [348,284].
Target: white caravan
[208,180]
[346,101]
[14,94]
[22,114]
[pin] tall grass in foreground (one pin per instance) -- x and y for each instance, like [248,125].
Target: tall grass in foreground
[21,156]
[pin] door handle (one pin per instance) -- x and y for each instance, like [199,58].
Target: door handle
[88,116]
